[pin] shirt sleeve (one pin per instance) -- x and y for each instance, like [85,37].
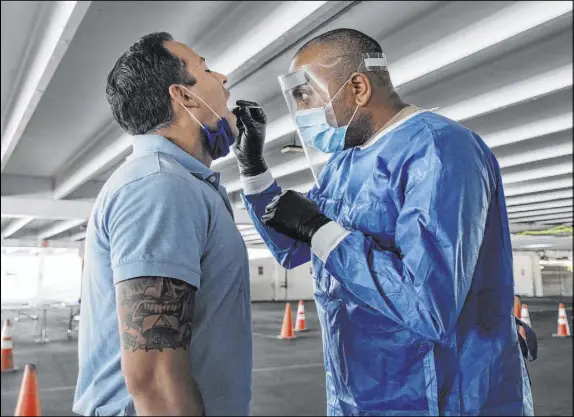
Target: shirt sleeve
[157,226]
[258,191]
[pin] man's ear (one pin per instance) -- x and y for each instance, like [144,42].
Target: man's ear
[182,96]
[362,89]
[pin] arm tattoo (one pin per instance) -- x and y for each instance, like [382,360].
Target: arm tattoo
[155,313]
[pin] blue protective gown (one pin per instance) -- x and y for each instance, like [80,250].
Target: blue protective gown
[416,303]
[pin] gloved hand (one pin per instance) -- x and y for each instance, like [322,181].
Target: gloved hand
[248,147]
[294,215]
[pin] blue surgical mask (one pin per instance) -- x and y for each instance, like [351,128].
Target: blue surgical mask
[316,130]
[218,141]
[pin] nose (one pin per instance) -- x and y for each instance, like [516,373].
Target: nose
[223,78]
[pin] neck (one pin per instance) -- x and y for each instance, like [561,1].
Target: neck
[373,119]
[192,144]
[386,112]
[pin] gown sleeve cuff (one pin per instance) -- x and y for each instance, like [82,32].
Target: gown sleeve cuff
[327,238]
[256,184]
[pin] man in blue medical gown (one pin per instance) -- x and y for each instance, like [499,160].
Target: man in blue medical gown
[408,235]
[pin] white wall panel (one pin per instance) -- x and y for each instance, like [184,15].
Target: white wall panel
[527,277]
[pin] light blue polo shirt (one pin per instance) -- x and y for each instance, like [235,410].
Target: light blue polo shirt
[163,213]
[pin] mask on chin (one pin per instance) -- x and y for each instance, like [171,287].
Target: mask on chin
[219,140]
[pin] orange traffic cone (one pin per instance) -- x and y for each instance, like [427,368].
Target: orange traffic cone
[29,398]
[287,327]
[7,348]
[563,328]
[300,324]
[517,306]
[525,317]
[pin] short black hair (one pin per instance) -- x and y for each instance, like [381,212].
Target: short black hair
[352,44]
[346,41]
[138,85]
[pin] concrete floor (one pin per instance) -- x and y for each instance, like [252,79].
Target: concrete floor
[288,375]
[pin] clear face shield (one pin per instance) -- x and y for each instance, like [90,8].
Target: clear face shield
[310,98]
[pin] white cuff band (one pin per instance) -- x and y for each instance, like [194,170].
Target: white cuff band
[328,238]
[256,184]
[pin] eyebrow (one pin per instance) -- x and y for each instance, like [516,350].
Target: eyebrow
[202,59]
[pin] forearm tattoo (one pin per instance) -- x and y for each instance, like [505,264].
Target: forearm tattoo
[155,313]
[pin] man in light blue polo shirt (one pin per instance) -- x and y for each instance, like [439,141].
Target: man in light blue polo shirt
[166,324]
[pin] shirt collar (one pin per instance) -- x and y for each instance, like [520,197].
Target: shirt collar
[143,144]
[392,126]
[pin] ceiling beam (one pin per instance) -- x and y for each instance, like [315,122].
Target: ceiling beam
[538,198]
[568,202]
[78,236]
[559,217]
[567,220]
[59,227]
[252,239]
[536,86]
[536,128]
[45,208]
[244,226]
[528,173]
[523,227]
[538,152]
[91,165]
[26,186]
[16,225]
[531,213]
[248,233]
[537,186]
[64,21]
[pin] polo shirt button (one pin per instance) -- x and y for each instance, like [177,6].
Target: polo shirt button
[211,179]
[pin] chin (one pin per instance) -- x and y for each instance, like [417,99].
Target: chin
[232,118]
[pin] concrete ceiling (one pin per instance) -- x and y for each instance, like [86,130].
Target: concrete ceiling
[504,69]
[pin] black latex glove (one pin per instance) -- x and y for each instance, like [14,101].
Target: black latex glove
[248,147]
[294,215]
